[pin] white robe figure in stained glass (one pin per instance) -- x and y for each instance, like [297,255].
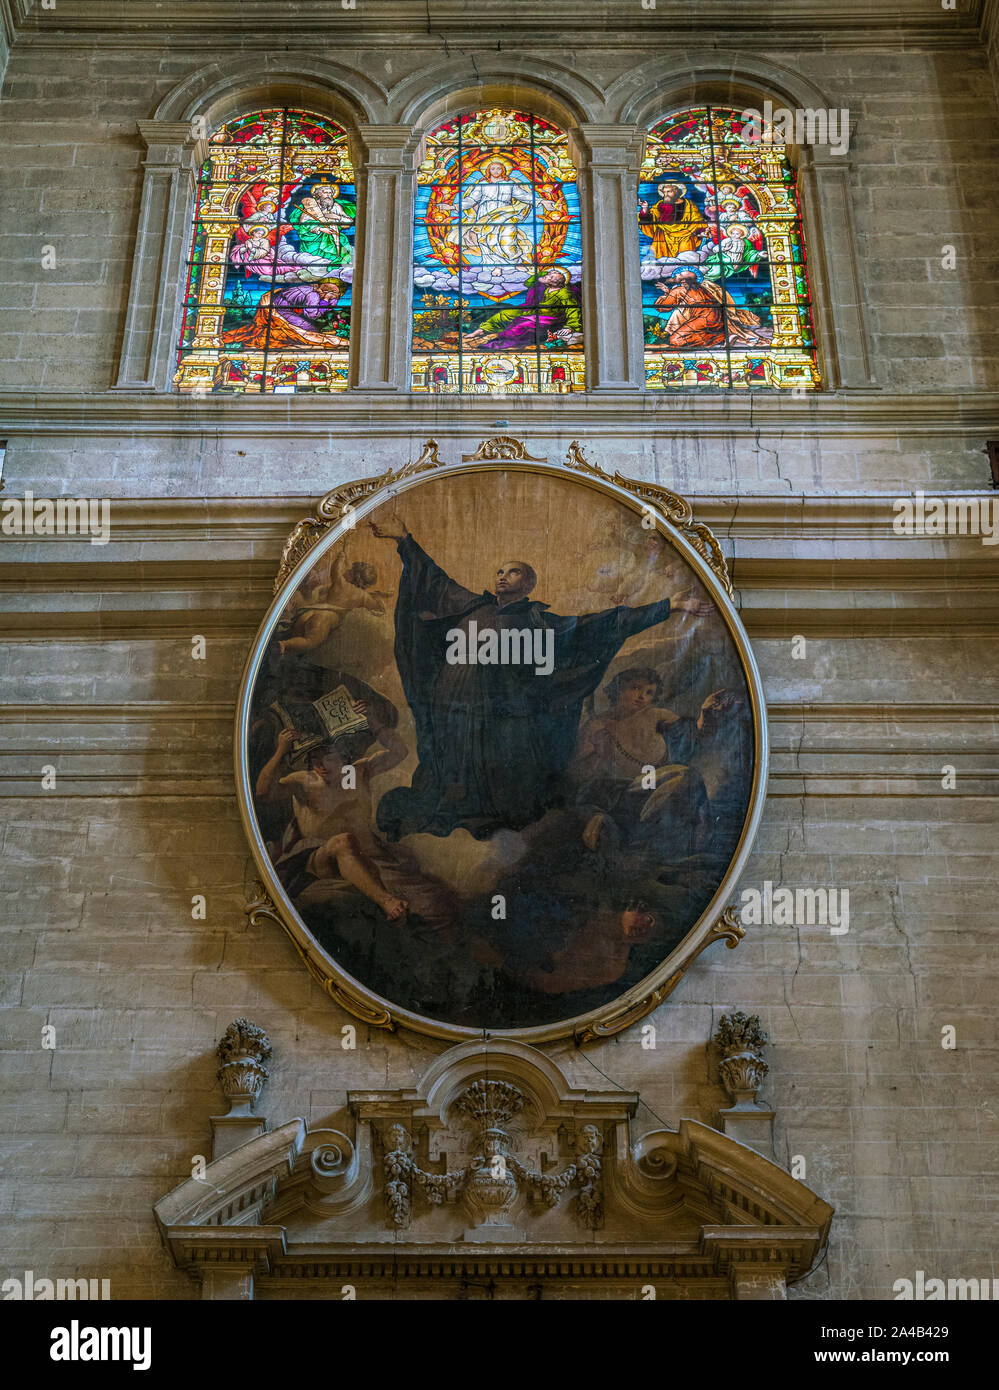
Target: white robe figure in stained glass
[492,213]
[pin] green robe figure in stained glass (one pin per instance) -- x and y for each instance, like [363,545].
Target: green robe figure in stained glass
[321,220]
[549,308]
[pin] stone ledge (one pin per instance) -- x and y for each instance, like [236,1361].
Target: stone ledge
[145,22]
[363,414]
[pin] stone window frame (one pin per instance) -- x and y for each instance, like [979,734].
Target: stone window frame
[825,183]
[386,132]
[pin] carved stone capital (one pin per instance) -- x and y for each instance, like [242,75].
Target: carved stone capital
[387,149]
[612,149]
[172,143]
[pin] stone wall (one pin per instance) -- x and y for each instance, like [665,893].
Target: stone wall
[921,147]
[898,680]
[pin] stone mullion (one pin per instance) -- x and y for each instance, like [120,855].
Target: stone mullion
[612,307]
[173,156]
[836,285]
[380,321]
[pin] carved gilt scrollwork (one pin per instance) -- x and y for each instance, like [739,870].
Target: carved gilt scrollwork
[338,504]
[725,928]
[502,446]
[262,908]
[675,509]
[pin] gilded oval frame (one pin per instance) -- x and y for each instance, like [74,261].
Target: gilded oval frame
[341,510]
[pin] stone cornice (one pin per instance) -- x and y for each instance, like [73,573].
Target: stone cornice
[361,414]
[555,23]
[162,749]
[831,516]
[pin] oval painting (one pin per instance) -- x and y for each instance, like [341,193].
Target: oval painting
[501,751]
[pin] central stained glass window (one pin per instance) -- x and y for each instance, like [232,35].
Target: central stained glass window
[725,295]
[498,259]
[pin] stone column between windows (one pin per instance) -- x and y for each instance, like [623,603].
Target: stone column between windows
[612,305]
[173,157]
[838,294]
[380,321]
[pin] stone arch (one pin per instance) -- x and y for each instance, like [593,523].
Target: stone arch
[175,150]
[566,101]
[218,91]
[646,94]
[501,1059]
[427,97]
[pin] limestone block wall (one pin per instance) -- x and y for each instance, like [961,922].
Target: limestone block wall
[921,154]
[97,679]
[99,942]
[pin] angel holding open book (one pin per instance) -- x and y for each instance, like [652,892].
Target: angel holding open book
[329,846]
[329,836]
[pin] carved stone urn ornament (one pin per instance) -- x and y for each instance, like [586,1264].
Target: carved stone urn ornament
[495,1177]
[491,1188]
[625,589]
[242,1051]
[741,1039]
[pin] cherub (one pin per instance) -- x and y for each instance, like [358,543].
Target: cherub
[617,750]
[319,605]
[333,810]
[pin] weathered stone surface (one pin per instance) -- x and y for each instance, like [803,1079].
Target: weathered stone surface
[96,935]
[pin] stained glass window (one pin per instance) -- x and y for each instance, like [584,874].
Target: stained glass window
[496,279]
[267,307]
[725,294]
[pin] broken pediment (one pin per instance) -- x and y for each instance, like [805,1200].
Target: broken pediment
[494,1168]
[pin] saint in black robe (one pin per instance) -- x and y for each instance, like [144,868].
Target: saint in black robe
[493,741]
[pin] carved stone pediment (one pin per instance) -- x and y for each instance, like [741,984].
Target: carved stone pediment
[495,1162]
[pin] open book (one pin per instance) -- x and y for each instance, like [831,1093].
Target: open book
[331,716]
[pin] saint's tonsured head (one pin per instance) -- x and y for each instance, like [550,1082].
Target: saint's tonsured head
[514,579]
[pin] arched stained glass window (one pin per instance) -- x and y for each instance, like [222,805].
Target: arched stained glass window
[725,295]
[496,292]
[267,307]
